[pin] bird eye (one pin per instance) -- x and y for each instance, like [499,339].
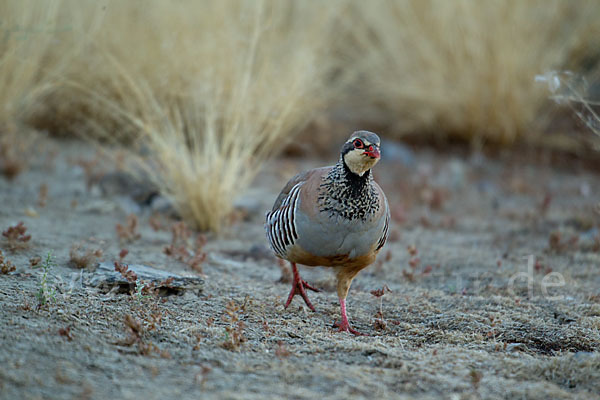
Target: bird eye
[358,144]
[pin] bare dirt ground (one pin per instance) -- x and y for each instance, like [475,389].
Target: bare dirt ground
[493,267]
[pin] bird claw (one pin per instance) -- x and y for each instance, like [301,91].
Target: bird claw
[347,328]
[298,287]
[309,287]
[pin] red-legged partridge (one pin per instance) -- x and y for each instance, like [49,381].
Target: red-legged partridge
[333,217]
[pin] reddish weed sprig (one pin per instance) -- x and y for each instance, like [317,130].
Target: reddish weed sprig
[16,237]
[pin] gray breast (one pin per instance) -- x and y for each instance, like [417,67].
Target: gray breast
[326,235]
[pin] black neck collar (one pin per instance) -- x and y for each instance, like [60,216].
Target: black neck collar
[355,181]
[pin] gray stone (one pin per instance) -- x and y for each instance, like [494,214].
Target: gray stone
[107,279]
[164,206]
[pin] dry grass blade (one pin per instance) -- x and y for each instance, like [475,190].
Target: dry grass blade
[573,90]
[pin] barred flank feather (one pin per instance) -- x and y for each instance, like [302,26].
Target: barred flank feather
[281,223]
[384,236]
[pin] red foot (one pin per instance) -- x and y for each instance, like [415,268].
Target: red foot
[298,287]
[347,328]
[344,326]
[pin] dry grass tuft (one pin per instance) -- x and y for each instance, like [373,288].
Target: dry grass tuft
[28,62]
[466,69]
[203,91]
[39,43]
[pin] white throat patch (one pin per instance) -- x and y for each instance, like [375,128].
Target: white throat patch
[358,162]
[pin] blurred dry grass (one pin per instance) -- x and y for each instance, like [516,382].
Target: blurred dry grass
[28,71]
[27,61]
[466,69]
[204,92]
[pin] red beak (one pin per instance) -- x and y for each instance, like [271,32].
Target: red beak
[372,152]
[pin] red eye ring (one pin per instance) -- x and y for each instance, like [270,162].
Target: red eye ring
[358,144]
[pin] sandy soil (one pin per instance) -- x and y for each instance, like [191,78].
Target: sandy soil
[469,314]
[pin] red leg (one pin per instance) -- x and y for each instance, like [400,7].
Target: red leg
[345,325]
[298,287]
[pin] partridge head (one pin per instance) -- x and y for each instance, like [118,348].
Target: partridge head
[361,152]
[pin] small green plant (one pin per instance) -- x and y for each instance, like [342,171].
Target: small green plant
[234,332]
[142,288]
[46,293]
